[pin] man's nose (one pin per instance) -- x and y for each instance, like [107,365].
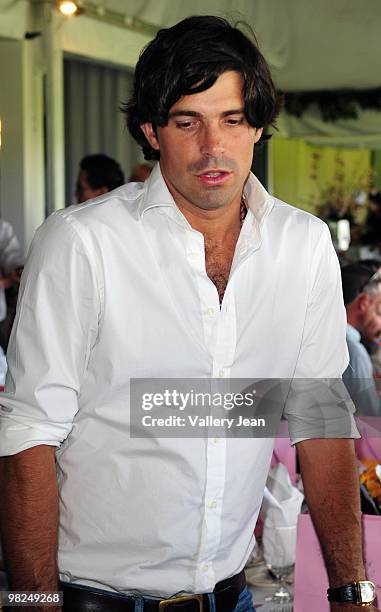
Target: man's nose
[212,141]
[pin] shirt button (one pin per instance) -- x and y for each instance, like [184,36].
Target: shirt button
[210,312]
[216,440]
[213,504]
[205,567]
[221,373]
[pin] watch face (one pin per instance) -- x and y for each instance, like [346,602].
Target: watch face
[367,591]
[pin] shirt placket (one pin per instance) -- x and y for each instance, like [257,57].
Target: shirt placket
[223,355]
[220,339]
[209,301]
[220,336]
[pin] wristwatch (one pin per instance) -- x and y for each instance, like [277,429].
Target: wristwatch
[361,593]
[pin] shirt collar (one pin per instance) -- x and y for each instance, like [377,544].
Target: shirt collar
[258,200]
[156,194]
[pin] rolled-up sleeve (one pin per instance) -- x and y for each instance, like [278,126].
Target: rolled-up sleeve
[318,404]
[55,328]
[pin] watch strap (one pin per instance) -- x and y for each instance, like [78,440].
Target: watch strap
[344,594]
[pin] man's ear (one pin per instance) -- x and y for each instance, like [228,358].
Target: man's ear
[363,302]
[150,134]
[258,134]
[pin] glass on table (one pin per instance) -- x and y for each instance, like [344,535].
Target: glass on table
[279,546]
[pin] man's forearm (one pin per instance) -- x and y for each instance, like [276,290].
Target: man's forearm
[331,485]
[29,519]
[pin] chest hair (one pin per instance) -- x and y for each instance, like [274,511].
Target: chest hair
[218,261]
[219,255]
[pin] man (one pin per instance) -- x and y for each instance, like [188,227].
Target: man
[362,299]
[194,275]
[98,174]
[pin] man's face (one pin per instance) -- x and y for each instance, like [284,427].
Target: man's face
[84,191]
[371,320]
[206,150]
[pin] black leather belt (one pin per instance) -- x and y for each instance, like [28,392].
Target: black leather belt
[226,595]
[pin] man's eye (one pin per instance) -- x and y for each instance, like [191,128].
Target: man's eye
[186,125]
[234,121]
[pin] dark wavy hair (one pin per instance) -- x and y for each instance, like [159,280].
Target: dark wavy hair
[188,58]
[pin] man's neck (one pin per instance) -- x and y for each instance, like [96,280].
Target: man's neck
[217,225]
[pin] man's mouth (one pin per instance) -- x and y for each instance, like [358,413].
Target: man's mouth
[214,177]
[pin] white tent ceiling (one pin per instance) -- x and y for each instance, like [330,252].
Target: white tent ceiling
[310,45]
[323,44]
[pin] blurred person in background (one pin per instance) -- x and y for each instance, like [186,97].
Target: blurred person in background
[374,346]
[98,174]
[362,299]
[11,265]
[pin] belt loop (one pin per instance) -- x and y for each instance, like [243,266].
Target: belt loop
[212,602]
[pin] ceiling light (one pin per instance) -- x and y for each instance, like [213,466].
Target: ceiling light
[96,10]
[68,8]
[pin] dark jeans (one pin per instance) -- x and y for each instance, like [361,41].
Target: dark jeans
[245,602]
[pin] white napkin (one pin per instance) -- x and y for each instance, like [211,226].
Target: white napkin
[280,508]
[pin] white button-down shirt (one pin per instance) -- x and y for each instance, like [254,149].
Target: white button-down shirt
[117,288]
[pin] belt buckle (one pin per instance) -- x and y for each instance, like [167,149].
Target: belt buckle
[164,603]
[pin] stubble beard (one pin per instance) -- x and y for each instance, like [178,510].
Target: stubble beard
[212,199]
[215,198]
